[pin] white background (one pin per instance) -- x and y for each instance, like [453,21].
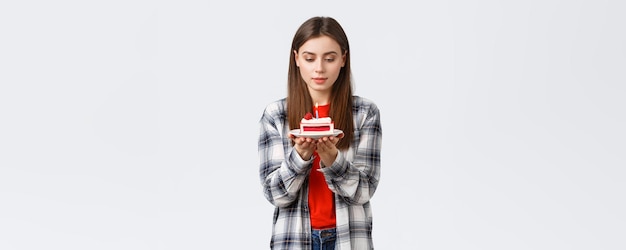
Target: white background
[133,124]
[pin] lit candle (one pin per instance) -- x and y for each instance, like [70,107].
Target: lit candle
[317,114]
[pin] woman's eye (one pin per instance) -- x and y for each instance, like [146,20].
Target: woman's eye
[309,59]
[330,59]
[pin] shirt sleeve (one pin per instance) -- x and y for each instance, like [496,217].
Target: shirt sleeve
[282,170]
[356,181]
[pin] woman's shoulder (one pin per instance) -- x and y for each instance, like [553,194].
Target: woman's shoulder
[276,107]
[277,103]
[364,104]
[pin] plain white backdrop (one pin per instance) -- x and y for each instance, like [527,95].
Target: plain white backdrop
[133,124]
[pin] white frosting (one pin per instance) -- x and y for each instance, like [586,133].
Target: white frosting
[323,120]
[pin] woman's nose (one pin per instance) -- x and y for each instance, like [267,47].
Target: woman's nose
[319,67]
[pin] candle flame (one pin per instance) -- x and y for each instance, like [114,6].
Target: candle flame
[317,114]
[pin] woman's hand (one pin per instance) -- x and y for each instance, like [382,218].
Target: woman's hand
[327,150]
[304,146]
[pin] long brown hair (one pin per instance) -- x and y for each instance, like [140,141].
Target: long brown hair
[299,100]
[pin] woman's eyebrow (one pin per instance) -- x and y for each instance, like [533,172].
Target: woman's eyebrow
[327,53]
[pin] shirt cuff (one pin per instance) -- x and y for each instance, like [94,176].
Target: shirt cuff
[337,169]
[300,166]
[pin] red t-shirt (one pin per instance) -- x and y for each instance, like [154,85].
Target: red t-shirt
[321,199]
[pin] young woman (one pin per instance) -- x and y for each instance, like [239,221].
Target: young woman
[321,188]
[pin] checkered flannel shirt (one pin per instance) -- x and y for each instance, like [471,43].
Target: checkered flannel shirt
[353,178]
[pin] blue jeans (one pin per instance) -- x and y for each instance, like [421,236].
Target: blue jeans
[324,239]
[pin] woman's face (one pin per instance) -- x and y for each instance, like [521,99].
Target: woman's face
[320,60]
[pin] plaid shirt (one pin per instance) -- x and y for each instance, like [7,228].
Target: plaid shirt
[353,178]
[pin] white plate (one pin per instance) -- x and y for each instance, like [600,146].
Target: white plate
[296,133]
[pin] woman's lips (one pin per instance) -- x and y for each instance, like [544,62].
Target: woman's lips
[319,80]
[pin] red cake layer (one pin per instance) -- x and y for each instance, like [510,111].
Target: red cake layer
[320,128]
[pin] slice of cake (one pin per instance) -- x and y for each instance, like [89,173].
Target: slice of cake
[316,126]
